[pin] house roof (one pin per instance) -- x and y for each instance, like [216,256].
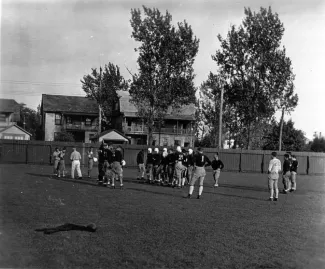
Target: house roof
[8,105]
[129,109]
[69,104]
[112,135]
[16,126]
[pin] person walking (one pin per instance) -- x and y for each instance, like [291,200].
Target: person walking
[141,166]
[273,177]
[75,158]
[200,162]
[217,166]
[190,163]
[116,166]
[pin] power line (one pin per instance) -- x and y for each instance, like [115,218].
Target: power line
[7,81]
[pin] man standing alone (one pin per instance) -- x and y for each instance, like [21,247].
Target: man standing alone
[75,158]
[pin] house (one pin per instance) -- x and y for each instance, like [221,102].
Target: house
[177,128]
[73,114]
[14,132]
[9,112]
[111,137]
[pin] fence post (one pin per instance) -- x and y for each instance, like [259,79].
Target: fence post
[262,165]
[307,171]
[50,146]
[240,160]
[26,153]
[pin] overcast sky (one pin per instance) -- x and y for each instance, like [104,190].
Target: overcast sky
[48,46]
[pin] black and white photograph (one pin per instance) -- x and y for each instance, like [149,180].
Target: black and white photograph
[162,134]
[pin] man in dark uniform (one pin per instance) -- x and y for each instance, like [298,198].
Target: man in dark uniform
[200,161]
[171,166]
[117,163]
[101,160]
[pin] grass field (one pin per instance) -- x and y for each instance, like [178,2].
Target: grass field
[146,226]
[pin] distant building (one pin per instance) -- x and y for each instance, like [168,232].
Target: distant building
[76,115]
[176,130]
[9,112]
[14,132]
[111,136]
[9,116]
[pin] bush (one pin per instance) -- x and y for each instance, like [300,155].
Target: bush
[64,137]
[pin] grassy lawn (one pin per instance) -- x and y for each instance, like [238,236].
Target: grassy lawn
[146,226]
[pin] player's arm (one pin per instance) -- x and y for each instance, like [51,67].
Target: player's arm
[207,161]
[221,165]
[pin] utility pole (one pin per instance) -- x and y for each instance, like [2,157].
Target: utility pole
[24,123]
[100,109]
[220,116]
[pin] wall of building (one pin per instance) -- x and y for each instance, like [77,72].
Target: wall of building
[49,127]
[87,135]
[169,140]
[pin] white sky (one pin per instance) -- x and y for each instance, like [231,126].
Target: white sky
[58,42]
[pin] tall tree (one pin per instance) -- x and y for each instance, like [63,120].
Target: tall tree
[318,143]
[257,72]
[293,139]
[165,73]
[103,86]
[30,121]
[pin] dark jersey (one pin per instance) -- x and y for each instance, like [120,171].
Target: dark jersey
[179,156]
[185,160]
[190,160]
[171,158]
[294,166]
[156,158]
[217,164]
[164,160]
[286,166]
[149,158]
[117,156]
[140,157]
[201,160]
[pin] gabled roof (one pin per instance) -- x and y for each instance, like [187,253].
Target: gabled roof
[14,125]
[8,105]
[129,109]
[116,135]
[69,104]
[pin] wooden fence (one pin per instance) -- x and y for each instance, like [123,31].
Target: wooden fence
[40,152]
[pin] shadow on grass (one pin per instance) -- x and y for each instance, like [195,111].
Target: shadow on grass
[259,189]
[68,227]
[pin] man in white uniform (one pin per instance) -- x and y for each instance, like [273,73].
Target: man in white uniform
[273,177]
[75,158]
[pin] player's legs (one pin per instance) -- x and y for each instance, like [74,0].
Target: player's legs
[276,189]
[216,175]
[73,167]
[78,169]
[189,174]
[201,179]
[271,187]
[90,166]
[192,183]
[293,181]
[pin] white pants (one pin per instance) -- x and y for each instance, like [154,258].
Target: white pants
[75,165]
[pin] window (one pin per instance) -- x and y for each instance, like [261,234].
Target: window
[88,121]
[69,121]
[2,117]
[8,137]
[58,118]
[177,143]
[165,142]
[186,144]
[129,122]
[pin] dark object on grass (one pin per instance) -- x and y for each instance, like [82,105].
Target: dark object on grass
[68,227]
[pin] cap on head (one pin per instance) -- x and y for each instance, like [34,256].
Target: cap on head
[190,151]
[165,149]
[179,149]
[156,150]
[149,150]
[273,154]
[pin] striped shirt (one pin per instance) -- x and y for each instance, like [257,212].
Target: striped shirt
[275,166]
[75,156]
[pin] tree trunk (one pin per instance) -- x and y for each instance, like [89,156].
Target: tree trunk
[249,137]
[281,129]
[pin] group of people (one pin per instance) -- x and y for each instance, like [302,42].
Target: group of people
[59,162]
[289,174]
[170,168]
[177,169]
